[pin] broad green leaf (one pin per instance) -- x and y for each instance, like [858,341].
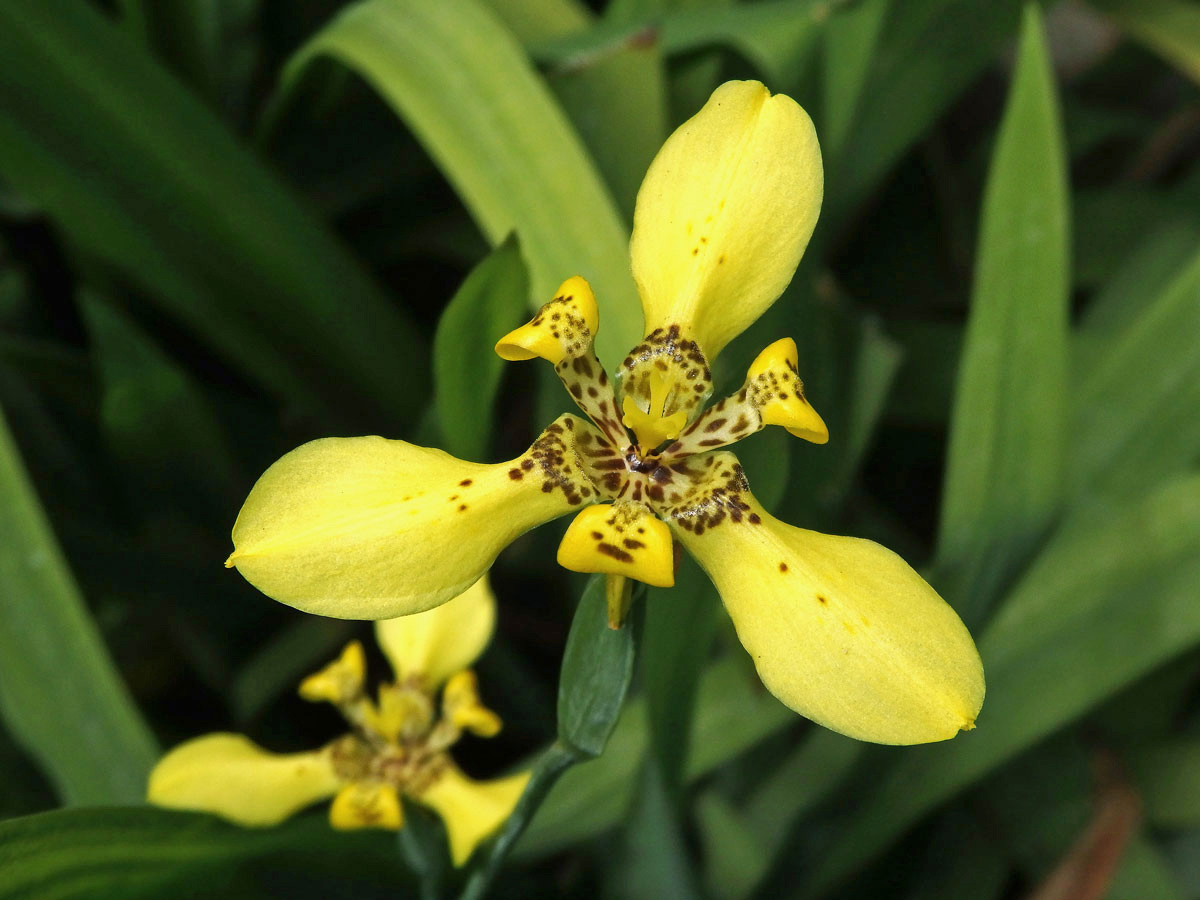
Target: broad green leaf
[596,670]
[734,857]
[672,659]
[929,53]
[733,713]
[618,91]
[157,419]
[1137,390]
[466,370]
[962,860]
[851,36]
[137,173]
[1005,471]
[1110,598]
[81,854]
[652,859]
[533,21]
[1169,27]
[60,695]
[460,81]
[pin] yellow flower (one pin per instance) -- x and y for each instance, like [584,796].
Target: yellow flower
[840,629]
[398,747]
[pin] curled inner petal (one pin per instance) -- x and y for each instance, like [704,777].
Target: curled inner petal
[564,327]
[622,538]
[339,682]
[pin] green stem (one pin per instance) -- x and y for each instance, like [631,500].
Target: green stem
[550,765]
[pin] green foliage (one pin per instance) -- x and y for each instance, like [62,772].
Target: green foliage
[229,226]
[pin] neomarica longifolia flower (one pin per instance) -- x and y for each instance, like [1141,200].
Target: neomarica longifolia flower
[840,629]
[398,746]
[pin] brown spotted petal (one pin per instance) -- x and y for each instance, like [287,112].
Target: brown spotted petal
[840,629]
[368,528]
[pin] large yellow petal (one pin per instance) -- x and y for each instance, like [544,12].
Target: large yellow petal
[725,213]
[471,810]
[368,528]
[840,629]
[231,776]
[436,644]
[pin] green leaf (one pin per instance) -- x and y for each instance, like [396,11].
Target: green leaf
[733,713]
[60,695]
[1137,388]
[851,36]
[466,369]
[140,175]
[930,52]
[1171,28]
[152,853]
[1005,470]
[1110,598]
[596,670]
[458,78]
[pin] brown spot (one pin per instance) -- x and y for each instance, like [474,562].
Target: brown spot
[528,464]
[711,442]
[721,259]
[461,507]
[714,425]
[615,552]
[631,544]
[453,497]
[821,599]
[754,519]
[598,535]
[695,251]
[465,482]
[783,567]
[516,474]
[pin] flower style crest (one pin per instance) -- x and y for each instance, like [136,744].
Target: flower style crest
[840,629]
[398,746]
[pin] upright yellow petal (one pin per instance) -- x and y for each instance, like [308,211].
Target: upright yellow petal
[231,776]
[471,810]
[439,642]
[725,213]
[840,629]
[368,528]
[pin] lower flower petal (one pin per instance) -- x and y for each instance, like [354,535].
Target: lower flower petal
[471,810]
[435,644]
[367,804]
[368,528]
[840,629]
[621,538]
[231,776]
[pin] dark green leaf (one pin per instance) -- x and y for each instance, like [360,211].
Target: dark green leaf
[59,693]
[1005,471]
[466,370]
[138,173]
[86,854]
[1169,27]
[460,81]
[596,670]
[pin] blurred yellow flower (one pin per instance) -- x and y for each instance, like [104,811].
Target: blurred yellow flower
[398,747]
[840,629]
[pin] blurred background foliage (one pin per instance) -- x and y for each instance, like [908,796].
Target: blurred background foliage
[230,226]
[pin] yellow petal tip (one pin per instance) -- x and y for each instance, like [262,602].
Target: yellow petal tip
[566,326]
[778,393]
[621,539]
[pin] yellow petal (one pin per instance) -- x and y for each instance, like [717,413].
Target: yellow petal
[435,644]
[231,776]
[368,528]
[776,391]
[471,810]
[840,629]
[339,682]
[564,327]
[725,213]
[366,804]
[619,538]
[462,706]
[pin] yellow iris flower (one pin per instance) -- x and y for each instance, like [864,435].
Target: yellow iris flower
[398,746]
[840,629]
